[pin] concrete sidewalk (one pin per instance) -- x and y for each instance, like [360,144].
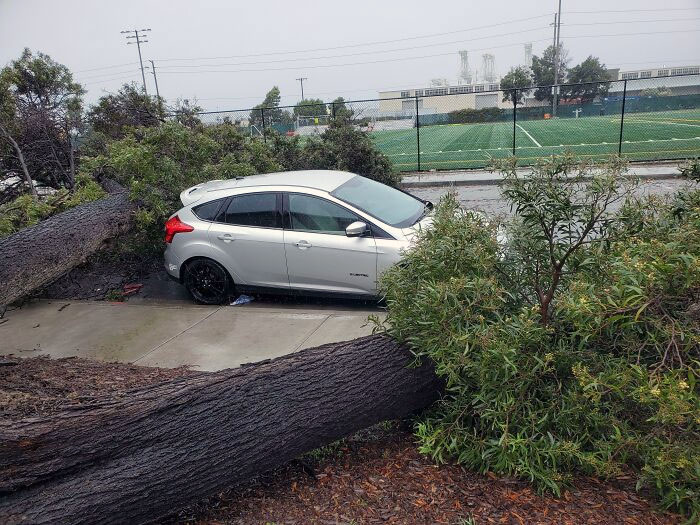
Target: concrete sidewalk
[206,338]
[484,177]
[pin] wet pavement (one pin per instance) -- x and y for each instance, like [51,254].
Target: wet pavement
[488,198]
[172,334]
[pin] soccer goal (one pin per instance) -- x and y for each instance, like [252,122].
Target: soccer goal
[311,124]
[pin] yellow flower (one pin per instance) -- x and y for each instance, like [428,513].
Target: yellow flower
[655,392]
[683,385]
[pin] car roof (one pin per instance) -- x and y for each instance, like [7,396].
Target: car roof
[325,180]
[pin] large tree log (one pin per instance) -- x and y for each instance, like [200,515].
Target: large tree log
[34,257]
[163,447]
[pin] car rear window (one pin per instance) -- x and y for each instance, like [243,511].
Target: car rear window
[208,210]
[253,209]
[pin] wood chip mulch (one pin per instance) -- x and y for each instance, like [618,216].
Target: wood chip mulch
[41,386]
[386,480]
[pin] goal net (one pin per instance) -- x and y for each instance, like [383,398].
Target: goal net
[311,124]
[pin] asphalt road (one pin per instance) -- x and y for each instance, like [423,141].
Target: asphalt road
[488,198]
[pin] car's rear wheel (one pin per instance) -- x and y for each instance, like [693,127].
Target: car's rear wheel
[207,281]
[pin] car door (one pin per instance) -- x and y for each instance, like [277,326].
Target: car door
[320,256]
[247,238]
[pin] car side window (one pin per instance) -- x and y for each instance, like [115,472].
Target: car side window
[252,209]
[313,214]
[209,210]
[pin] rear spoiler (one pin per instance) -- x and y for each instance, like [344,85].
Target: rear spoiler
[193,194]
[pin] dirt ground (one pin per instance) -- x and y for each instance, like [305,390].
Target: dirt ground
[103,277]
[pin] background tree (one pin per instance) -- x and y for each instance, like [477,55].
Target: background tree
[592,79]
[310,107]
[9,148]
[130,107]
[272,111]
[340,109]
[47,107]
[517,77]
[543,71]
[186,113]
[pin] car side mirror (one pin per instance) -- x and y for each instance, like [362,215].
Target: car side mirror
[356,229]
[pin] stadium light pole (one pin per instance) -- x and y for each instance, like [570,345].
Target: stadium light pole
[139,39]
[301,81]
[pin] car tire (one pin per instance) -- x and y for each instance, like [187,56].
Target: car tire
[207,281]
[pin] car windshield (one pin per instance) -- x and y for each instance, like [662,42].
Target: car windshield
[389,205]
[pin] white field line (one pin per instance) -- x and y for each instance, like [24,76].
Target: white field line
[664,122]
[530,136]
[484,150]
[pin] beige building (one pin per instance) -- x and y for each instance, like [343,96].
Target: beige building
[432,100]
[485,95]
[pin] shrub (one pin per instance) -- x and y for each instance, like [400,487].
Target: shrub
[26,211]
[469,116]
[341,147]
[604,380]
[157,163]
[691,169]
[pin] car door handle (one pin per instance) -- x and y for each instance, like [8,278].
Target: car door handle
[303,244]
[226,237]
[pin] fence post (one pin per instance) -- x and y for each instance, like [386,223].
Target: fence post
[262,117]
[515,106]
[622,117]
[417,133]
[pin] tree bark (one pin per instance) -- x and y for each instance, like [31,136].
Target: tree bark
[36,256]
[160,448]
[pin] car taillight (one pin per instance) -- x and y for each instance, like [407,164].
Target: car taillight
[175,225]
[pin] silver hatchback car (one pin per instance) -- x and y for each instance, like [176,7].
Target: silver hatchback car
[311,232]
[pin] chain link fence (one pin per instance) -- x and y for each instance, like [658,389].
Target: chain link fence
[462,127]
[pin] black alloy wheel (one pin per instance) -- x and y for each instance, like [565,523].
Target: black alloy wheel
[207,281]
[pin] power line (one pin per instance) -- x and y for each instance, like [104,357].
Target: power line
[286,60]
[348,64]
[322,66]
[105,67]
[134,34]
[363,44]
[634,22]
[631,11]
[109,79]
[110,74]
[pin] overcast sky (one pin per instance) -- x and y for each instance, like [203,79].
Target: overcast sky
[227,54]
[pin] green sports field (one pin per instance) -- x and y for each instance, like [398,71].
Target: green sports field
[646,136]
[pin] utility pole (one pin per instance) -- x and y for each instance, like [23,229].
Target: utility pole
[155,78]
[557,29]
[139,39]
[301,81]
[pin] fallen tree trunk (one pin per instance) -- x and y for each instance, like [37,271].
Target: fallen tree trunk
[36,256]
[163,447]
